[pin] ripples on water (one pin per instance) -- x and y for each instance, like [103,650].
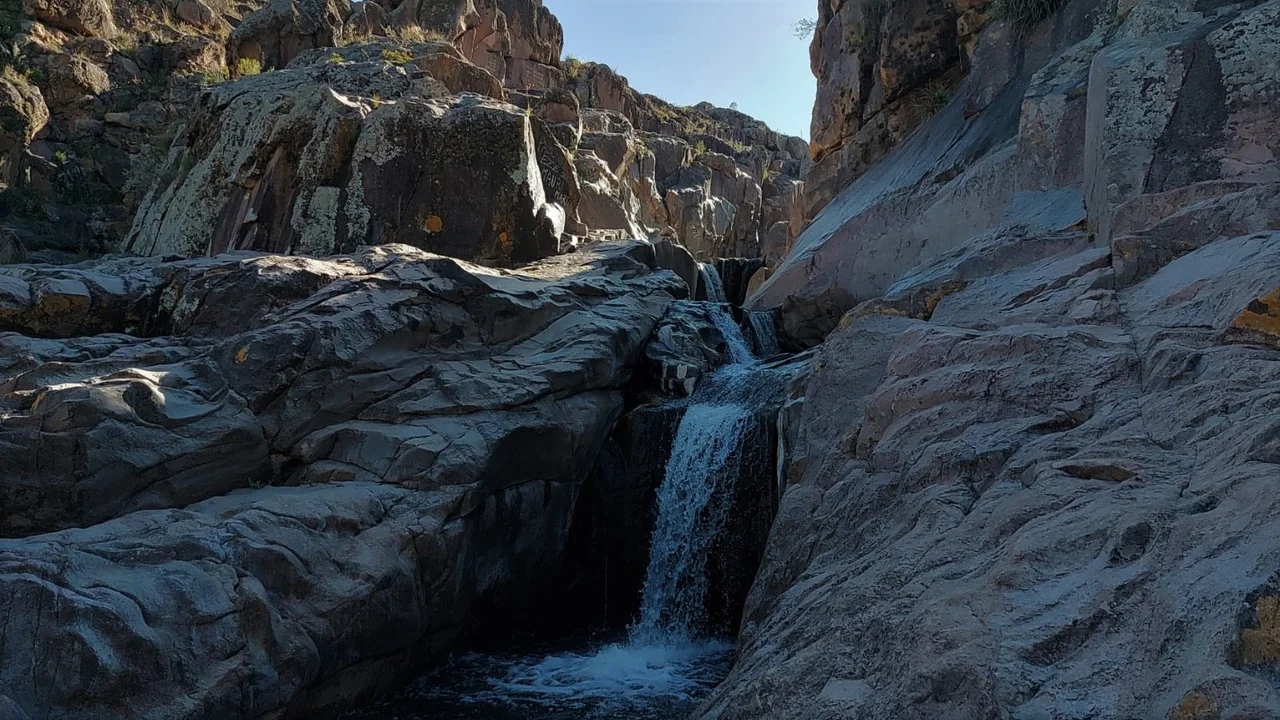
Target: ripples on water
[619,680]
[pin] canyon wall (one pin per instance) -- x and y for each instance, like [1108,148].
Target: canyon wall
[1031,473]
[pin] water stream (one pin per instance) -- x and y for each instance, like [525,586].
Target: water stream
[666,661]
[766,335]
[711,282]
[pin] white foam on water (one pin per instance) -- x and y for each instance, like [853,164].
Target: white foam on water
[620,673]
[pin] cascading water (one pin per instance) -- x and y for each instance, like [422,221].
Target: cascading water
[668,659]
[675,585]
[766,334]
[666,654]
[712,286]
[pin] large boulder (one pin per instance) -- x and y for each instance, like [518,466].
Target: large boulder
[603,205]
[293,475]
[84,17]
[276,33]
[324,156]
[686,344]
[23,113]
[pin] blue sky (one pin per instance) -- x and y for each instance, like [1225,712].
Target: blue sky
[687,51]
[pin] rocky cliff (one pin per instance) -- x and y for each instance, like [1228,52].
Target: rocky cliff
[118,113]
[1031,473]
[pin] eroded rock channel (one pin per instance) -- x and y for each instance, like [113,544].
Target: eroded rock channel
[375,360]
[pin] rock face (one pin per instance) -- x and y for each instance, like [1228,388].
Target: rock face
[275,34]
[991,511]
[883,68]
[256,485]
[1029,476]
[1059,138]
[519,42]
[126,106]
[327,155]
[93,92]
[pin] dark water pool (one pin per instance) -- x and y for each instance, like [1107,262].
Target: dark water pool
[580,680]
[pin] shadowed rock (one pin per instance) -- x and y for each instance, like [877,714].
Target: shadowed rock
[306,481]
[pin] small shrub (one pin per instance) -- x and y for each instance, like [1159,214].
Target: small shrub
[126,43]
[700,149]
[933,98]
[397,56]
[335,58]
[13,75]
[1023,14]
[573,67]
[376,101]
[61,157]
[248,66]
[413,33]
[214,76]
[804,28]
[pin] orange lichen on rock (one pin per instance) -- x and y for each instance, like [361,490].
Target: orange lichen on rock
[1195,705]
[1261,315]
[1260,645]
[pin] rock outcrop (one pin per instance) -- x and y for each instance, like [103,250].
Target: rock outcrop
[1060,138]
[701,170]
[123,109]
[883,68]
[331,153]
[275,34]
[1029,476]
[94,92]
[255,485]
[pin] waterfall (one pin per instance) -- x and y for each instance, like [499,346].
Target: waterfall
[739,349]
[712,286]
[766,335]
[668,656]
[689,519]
[675,586]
